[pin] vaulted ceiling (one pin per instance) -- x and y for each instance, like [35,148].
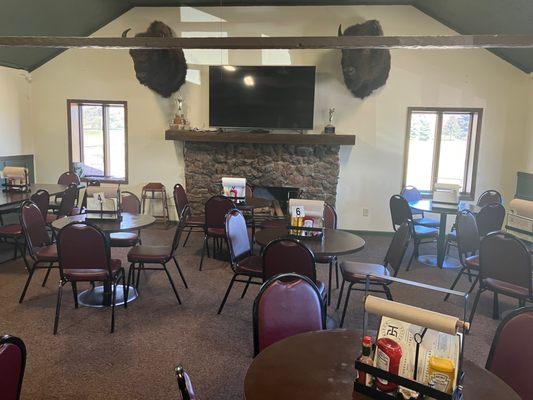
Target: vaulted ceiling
[83,17]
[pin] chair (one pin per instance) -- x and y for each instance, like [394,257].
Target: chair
[40,246]
[243,262]
[356,272]
[42,199]
[489,197]
[510,358]
[504,268]
[85,256]
[490,218]
[129,203]
[184,384]
[216,209]
[195,223]
[149,192]
[468,247]
[330,222]
[400,213]
[12,234]
[412,194]
[68,202]
[66,178]
[147,254]
[287,304]
[290,256]
[12,366]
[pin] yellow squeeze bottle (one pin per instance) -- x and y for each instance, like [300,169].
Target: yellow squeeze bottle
[441,373]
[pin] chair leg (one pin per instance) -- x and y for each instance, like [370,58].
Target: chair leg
[337,272]
[346,304]
[473,285]
[413,254]
[125,291]
[138,279]
[204,247]
[58,306]
[113,301]
[227,294]
[246,287]
[187,237]
[47,275]
[32,271]
[172,283]
[181,273]
[340,294]
[75,293]
[474,306]
[386,289]
[495,307]
[455,282]
[329,281]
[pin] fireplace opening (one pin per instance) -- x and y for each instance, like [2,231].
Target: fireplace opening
[279,195]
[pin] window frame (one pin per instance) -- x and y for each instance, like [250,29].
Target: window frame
[475,112]
[103,103]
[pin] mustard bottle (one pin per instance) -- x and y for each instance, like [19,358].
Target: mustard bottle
[441,373]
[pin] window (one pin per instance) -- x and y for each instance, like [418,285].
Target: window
[442,146]
[98,139]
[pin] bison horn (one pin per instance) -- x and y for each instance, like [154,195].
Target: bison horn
[125,33]
[340,30]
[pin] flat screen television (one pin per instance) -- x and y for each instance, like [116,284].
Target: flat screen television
[268,97]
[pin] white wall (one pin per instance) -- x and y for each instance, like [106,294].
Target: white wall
[371,171]
[14,112]
[528,140]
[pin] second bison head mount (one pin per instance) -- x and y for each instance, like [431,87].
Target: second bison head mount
[364,70]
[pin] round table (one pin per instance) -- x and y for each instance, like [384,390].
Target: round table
[334,242]
[429,206]
[320,365]
[100,296]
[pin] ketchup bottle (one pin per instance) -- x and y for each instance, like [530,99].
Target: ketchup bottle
[388,356]
[366,358]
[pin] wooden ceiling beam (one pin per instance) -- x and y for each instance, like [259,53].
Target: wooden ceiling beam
[305,42]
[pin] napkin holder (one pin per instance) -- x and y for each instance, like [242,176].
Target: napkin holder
[16,179]
[306,219]
[446,193]
[102,208]
[235,189]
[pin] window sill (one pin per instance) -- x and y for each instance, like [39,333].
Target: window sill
[104,179]
[462,196]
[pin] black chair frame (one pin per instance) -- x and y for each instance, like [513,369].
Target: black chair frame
[8,339]
[182,384]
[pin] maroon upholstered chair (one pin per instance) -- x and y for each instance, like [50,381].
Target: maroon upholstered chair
[330,222]
[467,236]
[67,204]
[12,366]
[140,255]
[490,218]
[504,268]
[243,262]
[66,178]
[39,244]
[185,384]
[130,203]
[195,223]
[287,304]
[85,256]
[511,357]
[356,272]
[216,209]
[412,194]
[290,256]
[12,234]
[42,199]
[400,213]
[489,197]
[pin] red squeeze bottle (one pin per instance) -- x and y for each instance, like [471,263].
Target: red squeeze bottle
[365,358]
[388,356]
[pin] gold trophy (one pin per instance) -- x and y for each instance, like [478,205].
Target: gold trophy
[329,128]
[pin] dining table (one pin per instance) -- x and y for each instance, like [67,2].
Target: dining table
[100,296]
[320,366]
[10,199]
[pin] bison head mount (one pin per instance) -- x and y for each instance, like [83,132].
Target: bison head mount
[364,70]
[162,70]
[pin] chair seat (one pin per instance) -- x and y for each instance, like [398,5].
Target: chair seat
[11,230]
[424,232]
[149,254]
[353,271]
[506,288]
[123,239]
[472,262]
[429,222]
[251,266]
[47,253]
[218,232]
[273,223]
[325,259]
[195,221]
[93,274]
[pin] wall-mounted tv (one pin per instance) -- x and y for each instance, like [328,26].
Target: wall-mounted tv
[269,97]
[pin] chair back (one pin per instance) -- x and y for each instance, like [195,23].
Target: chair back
[179,230]
[489,197]
[82,246]
[68,178]
[490,218]
[288,256]
[510,358]
[398,247]
[130,203]
[287,304]
[34,227]
[180,199]
[249,192]
[411,194]
[216,209]
[68,201]
[42,199]
[184,384]
[237,234]
[400,211]
[12,365]
[505,258]
[467,234]
[330,216]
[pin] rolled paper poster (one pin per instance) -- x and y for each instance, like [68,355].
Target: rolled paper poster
[14,172]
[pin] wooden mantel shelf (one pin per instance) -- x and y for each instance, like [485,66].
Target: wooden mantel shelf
[264,138]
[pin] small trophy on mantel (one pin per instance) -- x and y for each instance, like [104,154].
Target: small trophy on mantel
[329,128]
[179,118]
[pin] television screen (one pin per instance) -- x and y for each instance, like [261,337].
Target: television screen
[261,97]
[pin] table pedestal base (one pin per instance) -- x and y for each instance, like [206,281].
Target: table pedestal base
[95,297]
[449,262]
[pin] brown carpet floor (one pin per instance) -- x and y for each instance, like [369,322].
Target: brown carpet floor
[85,361]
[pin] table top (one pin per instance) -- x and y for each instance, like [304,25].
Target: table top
[428,205]
[320,365]
[334,242]
[13,198]
[129,222]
